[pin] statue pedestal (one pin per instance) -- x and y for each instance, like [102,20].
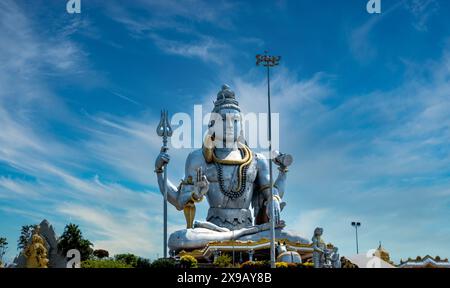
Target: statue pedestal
[255,247]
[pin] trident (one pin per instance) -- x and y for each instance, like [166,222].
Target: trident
[165,131]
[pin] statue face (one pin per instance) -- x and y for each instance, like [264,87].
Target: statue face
[318,231]
[226,126]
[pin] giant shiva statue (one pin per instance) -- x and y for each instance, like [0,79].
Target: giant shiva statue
[232,178]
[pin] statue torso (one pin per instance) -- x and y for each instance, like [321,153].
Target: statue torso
[216,197]
[225,210]
[318,242]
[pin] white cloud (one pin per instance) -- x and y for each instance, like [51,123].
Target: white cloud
[33,215]
[207,49]
[289,92]
[307,221]
[28,51]
[168,14]
[181,17]
[19,188]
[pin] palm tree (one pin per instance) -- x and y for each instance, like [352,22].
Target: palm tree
[72,238]
[25,235]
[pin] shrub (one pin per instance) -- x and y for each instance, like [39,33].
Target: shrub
[104,264]
[255,264]
[307,265]
[188,261]
[164,263]
[223,261]
[247,264]
[282,265]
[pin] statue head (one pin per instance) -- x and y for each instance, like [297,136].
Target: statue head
[225,126]
[36,229]
[318,232]
[36,238]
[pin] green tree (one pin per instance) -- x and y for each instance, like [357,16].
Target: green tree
[3,248]
[164,263]
[72,238]
[25,235]
[133,260]
[143,263]
[100,253]
[128,258]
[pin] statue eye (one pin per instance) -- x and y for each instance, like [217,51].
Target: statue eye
[211,124]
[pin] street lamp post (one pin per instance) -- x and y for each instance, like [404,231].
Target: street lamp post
[269,62]
[356,225]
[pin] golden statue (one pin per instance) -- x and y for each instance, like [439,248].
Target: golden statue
[36,252]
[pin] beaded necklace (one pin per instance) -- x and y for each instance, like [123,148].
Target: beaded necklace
[238,191]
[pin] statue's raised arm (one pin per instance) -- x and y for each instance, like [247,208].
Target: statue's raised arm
[191,189]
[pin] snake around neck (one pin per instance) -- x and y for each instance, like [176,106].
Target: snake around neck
[247,158]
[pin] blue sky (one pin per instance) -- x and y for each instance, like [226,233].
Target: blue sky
[363,102]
